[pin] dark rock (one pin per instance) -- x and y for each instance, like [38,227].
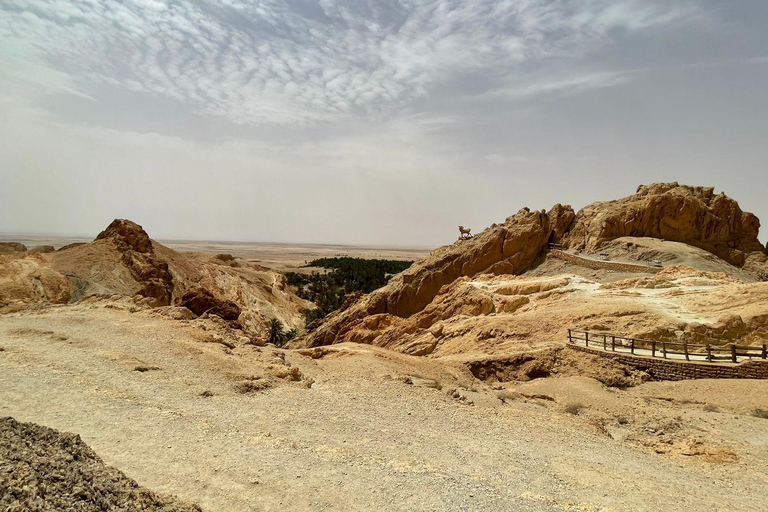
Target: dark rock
[11,247]
[202,301]
[127,234]
[43,248]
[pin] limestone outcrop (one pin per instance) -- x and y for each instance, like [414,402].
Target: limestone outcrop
[692,215]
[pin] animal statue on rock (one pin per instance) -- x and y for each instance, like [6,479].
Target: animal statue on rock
[464,233]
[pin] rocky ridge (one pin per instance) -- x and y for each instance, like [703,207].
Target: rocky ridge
[475,294]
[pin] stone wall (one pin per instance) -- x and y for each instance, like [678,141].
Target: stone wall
[603,265]
[668,369]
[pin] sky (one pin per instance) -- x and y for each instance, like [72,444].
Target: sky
[375,122]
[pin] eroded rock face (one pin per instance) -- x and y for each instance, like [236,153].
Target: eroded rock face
[669,211]
[508,248]
[138,256]
[560,219]
[27,280]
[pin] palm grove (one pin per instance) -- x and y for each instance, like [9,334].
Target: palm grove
[347,276]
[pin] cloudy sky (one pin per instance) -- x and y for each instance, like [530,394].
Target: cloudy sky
[369,121]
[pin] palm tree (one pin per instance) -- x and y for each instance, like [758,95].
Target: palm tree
[276,332]
[291,334]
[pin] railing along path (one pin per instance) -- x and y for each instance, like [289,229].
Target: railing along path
[667,349]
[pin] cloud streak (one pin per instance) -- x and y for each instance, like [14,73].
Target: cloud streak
[300,62]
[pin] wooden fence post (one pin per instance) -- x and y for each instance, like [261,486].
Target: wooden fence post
[685,349]
[604,342]
[586,338]
[733,352]
[765,351]
[709,352]
[664,348]
[632,346]
[570,338]
[653,348]
[613,343]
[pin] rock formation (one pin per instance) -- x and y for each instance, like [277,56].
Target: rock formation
[138,256]
[452,293]
[12,247]
[123,261]
[43,249]
[26,278]
[692,215]
[507,248]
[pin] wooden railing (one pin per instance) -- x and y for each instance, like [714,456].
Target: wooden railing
[637,346]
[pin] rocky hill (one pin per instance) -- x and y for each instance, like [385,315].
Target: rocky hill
[123,261]
[504,291]
[668,211]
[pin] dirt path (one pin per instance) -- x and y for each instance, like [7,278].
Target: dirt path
[359,439]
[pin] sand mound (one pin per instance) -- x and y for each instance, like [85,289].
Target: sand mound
[43,469]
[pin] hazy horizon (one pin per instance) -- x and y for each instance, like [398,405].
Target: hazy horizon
[370,122]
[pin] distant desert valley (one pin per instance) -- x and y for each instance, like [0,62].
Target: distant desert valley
[608,359]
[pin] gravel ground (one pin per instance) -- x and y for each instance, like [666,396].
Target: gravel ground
[361,438]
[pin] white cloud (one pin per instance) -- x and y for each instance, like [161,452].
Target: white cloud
[266,62]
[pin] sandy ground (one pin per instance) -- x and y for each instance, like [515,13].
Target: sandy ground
[281,257]
[375,431]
